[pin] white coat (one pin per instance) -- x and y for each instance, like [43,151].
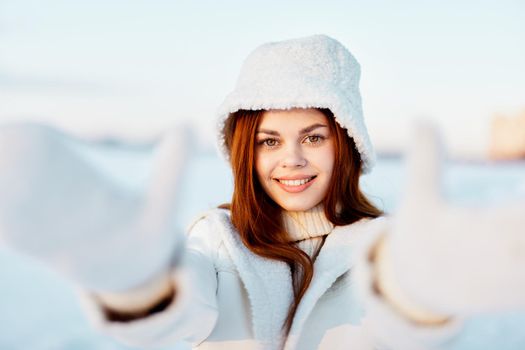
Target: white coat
[229,298]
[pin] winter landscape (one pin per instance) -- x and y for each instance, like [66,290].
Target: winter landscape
[117,75]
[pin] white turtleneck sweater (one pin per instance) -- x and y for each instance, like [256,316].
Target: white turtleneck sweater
[307,228]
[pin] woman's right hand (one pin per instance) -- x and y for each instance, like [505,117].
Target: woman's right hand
[58,208]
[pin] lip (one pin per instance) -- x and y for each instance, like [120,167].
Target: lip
[294,189]
[294,177]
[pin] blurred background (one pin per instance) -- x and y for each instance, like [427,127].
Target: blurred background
[118,74]
[130,69]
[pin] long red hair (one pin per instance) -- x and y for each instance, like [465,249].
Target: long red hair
[256,216]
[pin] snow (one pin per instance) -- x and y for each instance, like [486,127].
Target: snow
[39,310]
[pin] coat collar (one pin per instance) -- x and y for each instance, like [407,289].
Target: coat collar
[335,258]
[269,283]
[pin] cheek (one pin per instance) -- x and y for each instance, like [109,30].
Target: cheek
[262,167]
[326,160]
[330,161]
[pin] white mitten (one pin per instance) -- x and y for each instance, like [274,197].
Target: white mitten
[57,207]
[450,259]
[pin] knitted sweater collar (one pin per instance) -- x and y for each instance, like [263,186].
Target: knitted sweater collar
[301,225]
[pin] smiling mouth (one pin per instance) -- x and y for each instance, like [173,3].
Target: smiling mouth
[295,183]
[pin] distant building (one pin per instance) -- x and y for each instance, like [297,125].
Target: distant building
[507,139]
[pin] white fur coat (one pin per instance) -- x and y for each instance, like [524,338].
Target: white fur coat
[229,298]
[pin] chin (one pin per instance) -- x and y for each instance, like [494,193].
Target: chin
[296,206]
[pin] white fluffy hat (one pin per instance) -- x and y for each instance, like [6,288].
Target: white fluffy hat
[311,72]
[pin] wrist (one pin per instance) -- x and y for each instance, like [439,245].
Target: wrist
[386,284]
[139,299]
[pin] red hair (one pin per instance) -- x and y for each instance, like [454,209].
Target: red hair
[256,216]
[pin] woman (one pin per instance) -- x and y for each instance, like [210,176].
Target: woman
[296,261]
[273,269]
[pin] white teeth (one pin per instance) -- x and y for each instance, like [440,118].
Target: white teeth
[295,182]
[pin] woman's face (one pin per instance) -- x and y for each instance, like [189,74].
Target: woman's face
[294,157]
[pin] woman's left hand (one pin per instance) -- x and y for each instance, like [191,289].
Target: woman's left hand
[451,259]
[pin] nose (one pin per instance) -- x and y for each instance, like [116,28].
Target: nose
[293,157]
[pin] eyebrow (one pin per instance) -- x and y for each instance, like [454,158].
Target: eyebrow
[302,131]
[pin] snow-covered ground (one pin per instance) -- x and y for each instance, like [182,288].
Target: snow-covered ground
[38,309]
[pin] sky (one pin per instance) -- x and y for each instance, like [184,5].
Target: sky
[135,68]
